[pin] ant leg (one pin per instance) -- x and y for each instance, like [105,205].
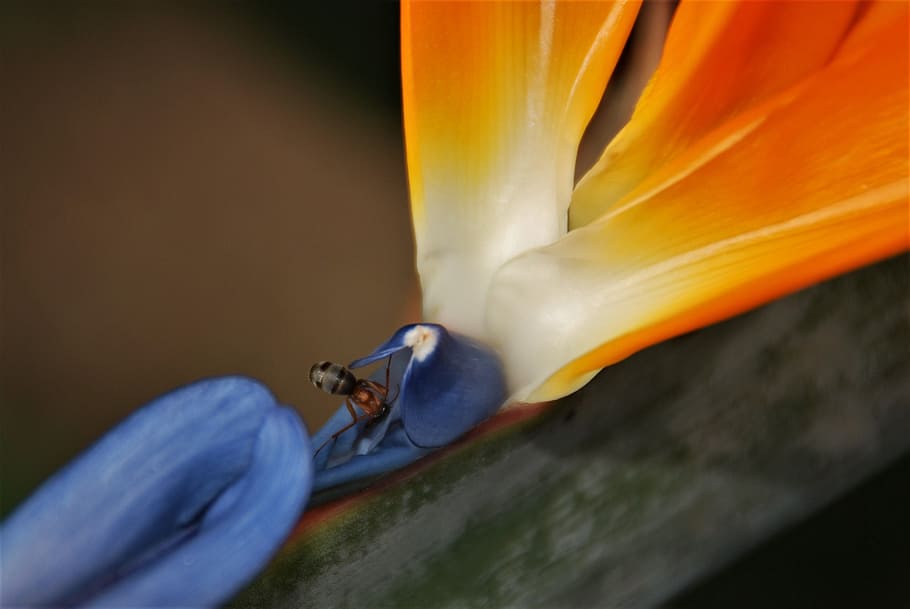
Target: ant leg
[350,425]
[340,431]
[388,367]
[381,390]
[353,412]
[397,390]
[355,419]
[385,392]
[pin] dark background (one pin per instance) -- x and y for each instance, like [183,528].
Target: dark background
[191,192]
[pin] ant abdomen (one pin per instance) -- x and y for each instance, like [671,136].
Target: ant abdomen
[333,378]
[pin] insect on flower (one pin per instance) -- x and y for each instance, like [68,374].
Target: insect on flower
[371,397]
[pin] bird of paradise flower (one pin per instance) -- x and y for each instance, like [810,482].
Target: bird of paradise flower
[768,152]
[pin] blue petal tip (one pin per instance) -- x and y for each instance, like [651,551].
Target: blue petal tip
[446,384]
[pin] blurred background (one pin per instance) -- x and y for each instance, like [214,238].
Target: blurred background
[188,191]
[198,189]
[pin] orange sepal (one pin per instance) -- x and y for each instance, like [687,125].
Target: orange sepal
[815,184]
[720,58]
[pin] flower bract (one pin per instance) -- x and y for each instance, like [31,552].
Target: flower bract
[179,505]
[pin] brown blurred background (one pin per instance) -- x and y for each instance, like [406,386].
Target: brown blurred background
[186,193]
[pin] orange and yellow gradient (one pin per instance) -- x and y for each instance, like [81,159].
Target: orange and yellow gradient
[769,152]
[496,97]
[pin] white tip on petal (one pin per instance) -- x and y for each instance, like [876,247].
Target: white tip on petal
[422,341]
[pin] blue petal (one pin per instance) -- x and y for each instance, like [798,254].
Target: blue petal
[181,504]
[453,388]
[393,345]
[394,453]
[445,385]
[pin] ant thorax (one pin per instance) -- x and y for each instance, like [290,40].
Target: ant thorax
[366,399]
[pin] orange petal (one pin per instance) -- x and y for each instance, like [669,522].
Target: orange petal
[818,185]
[719,59]
[496,97]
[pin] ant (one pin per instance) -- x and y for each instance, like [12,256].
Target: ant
[371,397]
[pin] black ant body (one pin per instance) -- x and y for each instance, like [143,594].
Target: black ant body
[371,397]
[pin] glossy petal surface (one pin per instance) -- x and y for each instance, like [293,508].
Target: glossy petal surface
[817,186]
[720,59]
[496,97]
[443,385]
[179,505]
